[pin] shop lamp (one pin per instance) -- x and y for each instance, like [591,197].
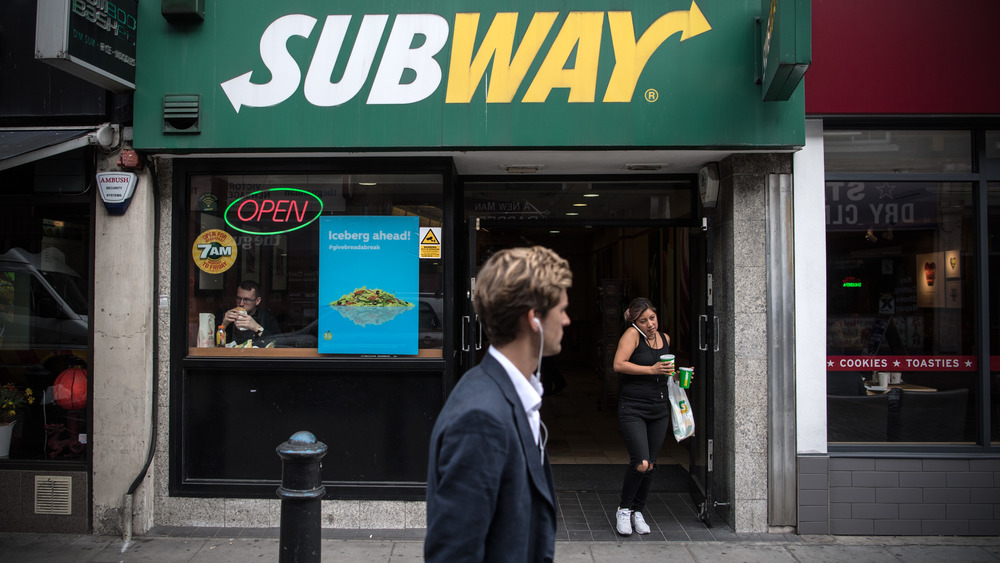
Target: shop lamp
[708,185]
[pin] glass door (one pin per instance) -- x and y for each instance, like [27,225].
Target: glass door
[470,341]
[704,345]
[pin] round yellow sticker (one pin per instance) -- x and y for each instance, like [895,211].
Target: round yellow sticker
[214,251]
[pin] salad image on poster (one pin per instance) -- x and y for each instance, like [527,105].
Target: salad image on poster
[370,306]
[368,284]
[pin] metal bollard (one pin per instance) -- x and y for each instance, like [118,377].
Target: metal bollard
[301,491]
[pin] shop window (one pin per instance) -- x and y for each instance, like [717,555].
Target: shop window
[993,211]
[579,201]
[897,151]
[993,145]
[324,264]
[902,364]
[45,271]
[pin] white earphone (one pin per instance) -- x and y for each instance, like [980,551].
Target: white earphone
[541,346]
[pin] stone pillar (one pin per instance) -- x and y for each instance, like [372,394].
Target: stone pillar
[741,363]
[122,366]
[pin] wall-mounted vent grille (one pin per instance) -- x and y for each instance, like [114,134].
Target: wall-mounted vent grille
[182,113]
[53,494]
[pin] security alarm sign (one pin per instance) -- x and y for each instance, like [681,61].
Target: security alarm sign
[116,190]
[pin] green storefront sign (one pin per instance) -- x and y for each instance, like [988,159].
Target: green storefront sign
[410,75]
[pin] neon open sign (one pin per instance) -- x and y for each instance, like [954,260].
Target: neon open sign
[273,211]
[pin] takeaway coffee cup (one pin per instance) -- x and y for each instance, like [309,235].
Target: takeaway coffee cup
[895,377]
[241,311]
[685,379]
[882,378]
[669,360]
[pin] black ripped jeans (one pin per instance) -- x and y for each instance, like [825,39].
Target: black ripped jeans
[644,430]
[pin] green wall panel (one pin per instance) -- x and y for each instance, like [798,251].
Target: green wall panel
[567,52]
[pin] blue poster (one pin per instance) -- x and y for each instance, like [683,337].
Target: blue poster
[368,285]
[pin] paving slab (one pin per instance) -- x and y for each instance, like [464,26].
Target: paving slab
[407,551]
[644,551]
[57,548]
[143,550]
[724,552]
[840,553]
[573,552]
[937,553]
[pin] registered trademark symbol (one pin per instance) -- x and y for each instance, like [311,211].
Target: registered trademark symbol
[652,95]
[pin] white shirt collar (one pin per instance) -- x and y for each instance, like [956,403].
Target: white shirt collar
[529,390]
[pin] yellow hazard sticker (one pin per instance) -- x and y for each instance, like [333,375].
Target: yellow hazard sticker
[430,242]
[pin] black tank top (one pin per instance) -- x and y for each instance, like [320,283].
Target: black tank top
[645,388]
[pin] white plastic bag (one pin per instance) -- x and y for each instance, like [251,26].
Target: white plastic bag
[680,411]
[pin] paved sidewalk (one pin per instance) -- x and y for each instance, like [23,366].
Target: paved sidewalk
[766,548]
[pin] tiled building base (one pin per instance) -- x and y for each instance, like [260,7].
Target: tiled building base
[898,496]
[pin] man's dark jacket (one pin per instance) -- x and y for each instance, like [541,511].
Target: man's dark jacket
[489,495]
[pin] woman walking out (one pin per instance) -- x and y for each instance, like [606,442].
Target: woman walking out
[643,408]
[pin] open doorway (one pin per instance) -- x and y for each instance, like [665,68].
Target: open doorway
[611,264]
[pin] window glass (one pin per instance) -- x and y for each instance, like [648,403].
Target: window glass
[45,273]
[255,244]
[898,151]
[579,200]
[901,363]
[993,145]
[993,210]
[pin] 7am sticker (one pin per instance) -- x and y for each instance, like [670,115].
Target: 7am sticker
[214,251]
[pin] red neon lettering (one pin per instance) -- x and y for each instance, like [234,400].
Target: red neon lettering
[266,206]
[239,210]
[278,209]
[294,205]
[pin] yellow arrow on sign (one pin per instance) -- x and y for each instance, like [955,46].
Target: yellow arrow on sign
[631,56]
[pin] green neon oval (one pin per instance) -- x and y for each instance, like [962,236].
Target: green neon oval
[225,215]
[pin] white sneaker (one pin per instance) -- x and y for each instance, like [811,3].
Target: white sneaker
[639,523]
[624,518]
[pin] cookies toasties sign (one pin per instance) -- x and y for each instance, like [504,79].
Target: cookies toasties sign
[307,73]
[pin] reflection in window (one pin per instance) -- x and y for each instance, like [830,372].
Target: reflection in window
[44,331]
[901,274]
[993,211]
[579,200]
[271,222]
[993,145]
[893,151]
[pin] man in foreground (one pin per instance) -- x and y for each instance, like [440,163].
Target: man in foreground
[490,495]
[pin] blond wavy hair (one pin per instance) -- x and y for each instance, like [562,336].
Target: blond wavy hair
[515,280]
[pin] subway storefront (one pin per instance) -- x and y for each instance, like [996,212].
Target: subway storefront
[326,180]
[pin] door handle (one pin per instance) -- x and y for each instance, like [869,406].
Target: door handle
[715,335]
[465,329]
[702,323]
[479,334]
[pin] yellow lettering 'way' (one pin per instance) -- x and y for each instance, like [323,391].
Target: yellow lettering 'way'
[581,31]
[507,75]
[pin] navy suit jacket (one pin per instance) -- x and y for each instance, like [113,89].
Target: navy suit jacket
[489,495]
